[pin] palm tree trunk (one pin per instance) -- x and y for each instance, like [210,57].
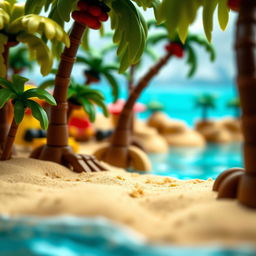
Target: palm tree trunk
[57,136]
[246,81]
[9,141]
[131,78]
[4,127]
[204,113]
[121,136]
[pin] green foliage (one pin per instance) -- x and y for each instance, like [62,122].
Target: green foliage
[127,22]
[96,64]
[18,59]
[191,40]
[130,32]
[32,30]
[23,99]
[155,106]
[206,100]
[191,55]
[234,103]
[179,15]
[87,98]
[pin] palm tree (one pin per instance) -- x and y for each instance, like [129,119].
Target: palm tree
[19,60]
[234,104]
[121,137]
[97,68]
[205,102]
[86,97]
[236,182]
[22,100]
[130,34]
[15,28]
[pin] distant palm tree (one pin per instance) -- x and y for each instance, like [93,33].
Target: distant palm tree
[174,48]
[19,60]
[80,95]
[22,100]
[234,104]
[205,102]
[98,68]
[86,97]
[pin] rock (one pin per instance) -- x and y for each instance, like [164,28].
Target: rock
[220,131]
[187,138]
[166,125]
[151,140]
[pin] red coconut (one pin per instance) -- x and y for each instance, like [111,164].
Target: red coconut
[234,5]
[86,19]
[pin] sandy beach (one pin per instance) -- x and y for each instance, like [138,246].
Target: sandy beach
[163,209]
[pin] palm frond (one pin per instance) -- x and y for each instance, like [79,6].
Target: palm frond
[39,51]
[178,16]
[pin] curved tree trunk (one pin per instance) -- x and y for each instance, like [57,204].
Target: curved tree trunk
[246,81]
[121,136]
[131,78]
[57,135]
[9,141]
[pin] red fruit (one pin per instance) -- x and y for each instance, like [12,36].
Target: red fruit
[103,17]
[234,5]
[176,49]
[168,47]
[86,19]
[95,11]
[83,6]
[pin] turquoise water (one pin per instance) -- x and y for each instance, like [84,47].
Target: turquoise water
[179,100]
[69,236]
[193,163]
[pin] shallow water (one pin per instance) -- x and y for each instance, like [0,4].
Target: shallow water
[196,163]
[69,236]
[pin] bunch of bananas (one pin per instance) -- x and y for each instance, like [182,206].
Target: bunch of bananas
[15,26]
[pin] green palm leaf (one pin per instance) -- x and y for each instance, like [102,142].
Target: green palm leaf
[114,85]
[5,95]
[130,32]
[19,111]
[41,94]
[37,24]
[39,51]
[179,15]
[38,113]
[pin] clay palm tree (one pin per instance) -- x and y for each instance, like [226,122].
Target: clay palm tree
[130,34]
[121,139]
[22,100]
[235,105]
[205,102]
[234,183]
[15,28]
[239,183]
